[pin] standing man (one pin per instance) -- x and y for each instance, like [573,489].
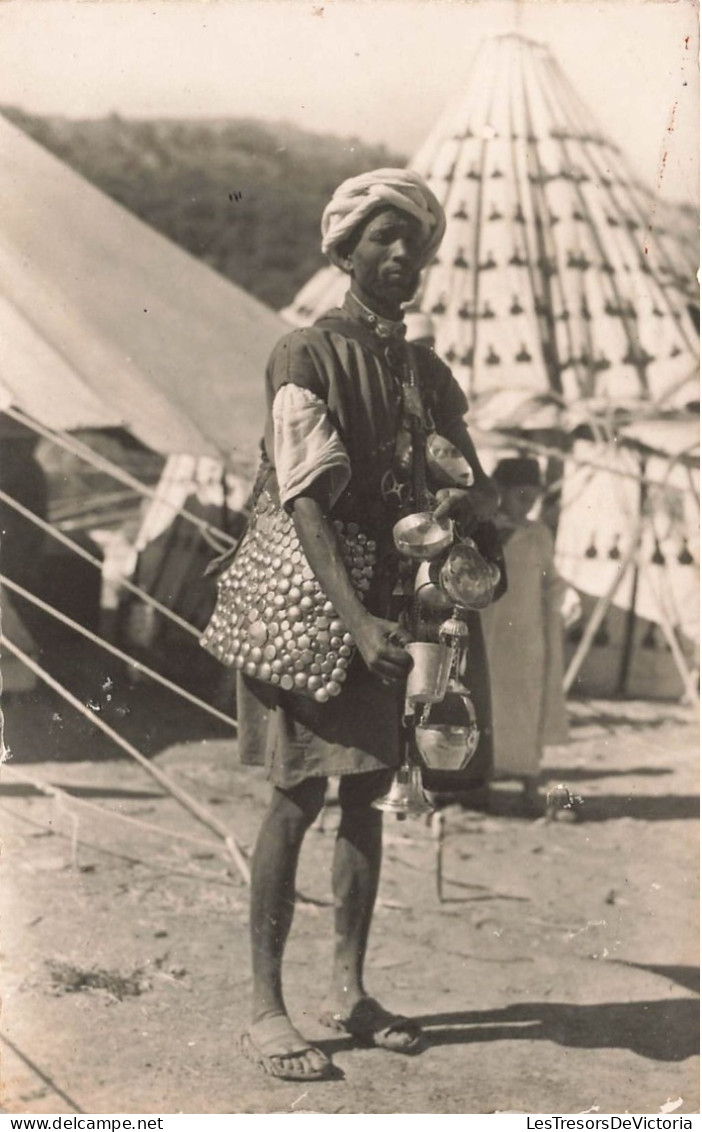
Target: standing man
[524,636]
[335,450]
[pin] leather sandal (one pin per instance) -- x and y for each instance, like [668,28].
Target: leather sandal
[265,1047]
[370,1023]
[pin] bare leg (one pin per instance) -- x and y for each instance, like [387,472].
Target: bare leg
[356,872]
[274,867]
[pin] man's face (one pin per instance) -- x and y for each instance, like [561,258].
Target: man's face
[385,263]
[516,501]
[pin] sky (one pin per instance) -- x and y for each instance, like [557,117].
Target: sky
[381,70]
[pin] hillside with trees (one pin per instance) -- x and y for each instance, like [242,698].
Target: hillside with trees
[245,196]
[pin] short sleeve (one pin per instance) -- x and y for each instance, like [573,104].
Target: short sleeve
[307,447]
[296,360]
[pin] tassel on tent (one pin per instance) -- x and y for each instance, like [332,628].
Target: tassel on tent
[591,551]
[657,558]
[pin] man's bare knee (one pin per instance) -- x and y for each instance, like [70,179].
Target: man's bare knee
[302,804]
[358,791]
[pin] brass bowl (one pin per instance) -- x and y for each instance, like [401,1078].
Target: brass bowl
[444,746]
[422,536]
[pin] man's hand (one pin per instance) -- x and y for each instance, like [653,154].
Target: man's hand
[380,644]
[477,502]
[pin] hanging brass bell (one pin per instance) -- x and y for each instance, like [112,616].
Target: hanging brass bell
[406,796]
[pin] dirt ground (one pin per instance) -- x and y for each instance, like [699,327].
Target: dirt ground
[559,973]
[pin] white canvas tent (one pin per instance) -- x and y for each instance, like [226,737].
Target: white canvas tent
[563,298]
[104,322]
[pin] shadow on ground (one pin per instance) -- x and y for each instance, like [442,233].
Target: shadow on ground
[613,721]
[684,976]
[27,790]
[660,1030]
[605,807]
[587,774]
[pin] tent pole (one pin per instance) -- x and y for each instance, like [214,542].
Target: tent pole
[678,655]
[130,661]
[628,633]
[598,614]
[186,801]
[630,624]
[124,583]
[84,452]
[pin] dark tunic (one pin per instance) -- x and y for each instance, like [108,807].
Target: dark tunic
[355,373]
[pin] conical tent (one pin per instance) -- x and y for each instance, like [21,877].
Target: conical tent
[560,276]
[563,295]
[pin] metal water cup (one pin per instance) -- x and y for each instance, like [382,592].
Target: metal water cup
[428,677]
[422,536]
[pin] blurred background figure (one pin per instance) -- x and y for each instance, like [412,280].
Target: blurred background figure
[524,635]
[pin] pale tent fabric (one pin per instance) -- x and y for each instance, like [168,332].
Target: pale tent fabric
[189,478]
[324,290]
[170,557]
[641,500]
[36,377]
[104,322]
[186,483]
[560,278]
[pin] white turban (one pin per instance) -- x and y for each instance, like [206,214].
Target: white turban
[357,197]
